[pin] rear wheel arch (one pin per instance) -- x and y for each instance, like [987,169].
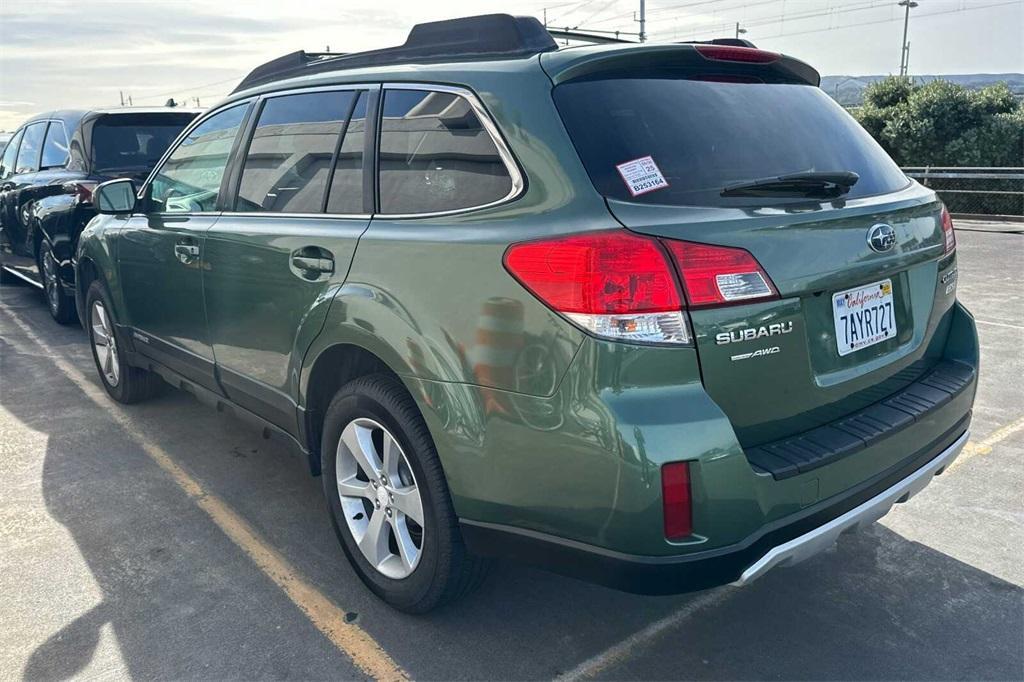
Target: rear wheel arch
[332,368]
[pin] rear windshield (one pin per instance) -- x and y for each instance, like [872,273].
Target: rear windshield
[135,142]
[703,136]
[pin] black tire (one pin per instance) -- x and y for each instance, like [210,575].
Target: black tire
[60,305]
[133,384]
[446,571]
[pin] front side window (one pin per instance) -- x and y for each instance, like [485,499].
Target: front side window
[55,149]
[189,180]
[435,155]
[31,142]
[10,154]
[288,163]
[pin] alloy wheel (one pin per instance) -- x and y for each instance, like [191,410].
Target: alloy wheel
[105,344]
[50,281]
[380,498]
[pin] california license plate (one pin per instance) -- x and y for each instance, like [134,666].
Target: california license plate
[864,316]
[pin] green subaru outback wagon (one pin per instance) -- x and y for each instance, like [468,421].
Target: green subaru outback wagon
[661,317]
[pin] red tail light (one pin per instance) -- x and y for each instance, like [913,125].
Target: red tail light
[622,286]
[82,189]
[614,284]
[947,230]
[714,275]
[731,53]
[675,495]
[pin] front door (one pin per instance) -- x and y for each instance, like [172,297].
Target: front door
[160,251]
[274,262]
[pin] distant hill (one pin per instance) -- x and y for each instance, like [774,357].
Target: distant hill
[849,90]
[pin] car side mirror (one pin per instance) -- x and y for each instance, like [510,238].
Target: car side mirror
[115,197]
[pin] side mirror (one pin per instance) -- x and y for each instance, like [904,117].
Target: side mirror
[115,197]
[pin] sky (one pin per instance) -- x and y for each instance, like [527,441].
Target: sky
[74,54]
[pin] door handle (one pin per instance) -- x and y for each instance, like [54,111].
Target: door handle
[186,250]
[312,263]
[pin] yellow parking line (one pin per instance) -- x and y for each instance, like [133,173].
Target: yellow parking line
[324,614]
[972,449]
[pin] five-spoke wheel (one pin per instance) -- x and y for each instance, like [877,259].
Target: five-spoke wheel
[104,344]
[380,498]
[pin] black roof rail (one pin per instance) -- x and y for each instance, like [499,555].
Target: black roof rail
[495,36]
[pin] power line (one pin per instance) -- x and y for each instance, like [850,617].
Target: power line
[887,21]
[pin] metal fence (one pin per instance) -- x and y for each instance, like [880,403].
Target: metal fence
[968,190]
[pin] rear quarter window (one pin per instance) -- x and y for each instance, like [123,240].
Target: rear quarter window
[436,155]
[706,135]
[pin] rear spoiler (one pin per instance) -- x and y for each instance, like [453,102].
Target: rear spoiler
[723,56]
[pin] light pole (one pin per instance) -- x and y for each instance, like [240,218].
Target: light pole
[905,52]
[739,31]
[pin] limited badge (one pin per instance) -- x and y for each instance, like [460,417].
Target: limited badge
[641,176]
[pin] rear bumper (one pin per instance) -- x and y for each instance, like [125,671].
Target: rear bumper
[786,541]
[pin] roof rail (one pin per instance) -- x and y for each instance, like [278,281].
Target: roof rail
[497,36]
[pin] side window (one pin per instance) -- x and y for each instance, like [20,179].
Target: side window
[31,142]
[435,155]
[10,154]
[189,180]
[288,163]
[55,149]
[346,193]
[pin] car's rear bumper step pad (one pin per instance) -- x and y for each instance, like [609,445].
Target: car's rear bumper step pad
[826,444]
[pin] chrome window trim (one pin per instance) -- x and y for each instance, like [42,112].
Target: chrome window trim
[504,153]
[275,214]
[197,121]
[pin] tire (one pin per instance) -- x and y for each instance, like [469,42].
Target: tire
[443,570]
[124,383]
[60,305]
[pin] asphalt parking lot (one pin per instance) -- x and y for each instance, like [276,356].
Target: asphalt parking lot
[165,540]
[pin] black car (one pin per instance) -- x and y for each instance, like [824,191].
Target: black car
[47,174]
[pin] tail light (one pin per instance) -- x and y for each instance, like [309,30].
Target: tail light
[947,230]
[675,496]
[716,275]
[614,284]
[81,189]
[733,53]
[622,286]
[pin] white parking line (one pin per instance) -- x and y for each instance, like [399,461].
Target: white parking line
[1000,324]
[628,647]
[323,613]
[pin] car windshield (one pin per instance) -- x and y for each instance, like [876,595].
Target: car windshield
[134,141]
[679,141]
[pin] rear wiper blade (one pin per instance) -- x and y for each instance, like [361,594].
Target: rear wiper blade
[808,183]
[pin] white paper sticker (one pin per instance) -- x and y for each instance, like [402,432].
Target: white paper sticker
[641,176]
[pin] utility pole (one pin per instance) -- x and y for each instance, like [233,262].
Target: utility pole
[739,31]
[643,22]
[121,92]
[905,52]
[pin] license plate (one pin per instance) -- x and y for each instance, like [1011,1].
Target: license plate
[864,316]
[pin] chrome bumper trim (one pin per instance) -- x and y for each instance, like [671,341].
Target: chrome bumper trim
[824,536]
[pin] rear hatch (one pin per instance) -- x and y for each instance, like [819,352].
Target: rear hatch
[849,310]
[128,144]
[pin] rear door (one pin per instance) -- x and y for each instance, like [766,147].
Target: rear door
[851,306]
[160,251]
[273,262]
